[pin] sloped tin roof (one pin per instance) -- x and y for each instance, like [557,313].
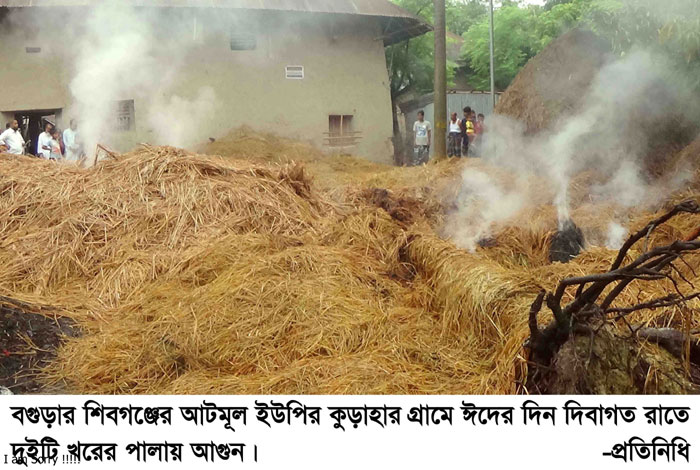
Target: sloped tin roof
[397,23]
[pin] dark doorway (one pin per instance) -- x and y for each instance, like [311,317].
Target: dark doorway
[32,124]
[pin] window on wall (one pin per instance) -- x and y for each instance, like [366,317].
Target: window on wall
[243,40]
[125,116]
[340,131]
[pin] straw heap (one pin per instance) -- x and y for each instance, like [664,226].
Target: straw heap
[195,274]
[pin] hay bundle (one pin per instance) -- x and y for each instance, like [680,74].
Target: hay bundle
[554,82]
[123,223]
[247,315]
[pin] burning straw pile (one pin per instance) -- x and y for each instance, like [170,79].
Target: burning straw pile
[194,274]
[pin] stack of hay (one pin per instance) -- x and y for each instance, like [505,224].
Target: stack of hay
[194,274]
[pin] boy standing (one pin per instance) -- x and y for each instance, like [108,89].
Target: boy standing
[464,126]
[422,133]
[55,146]
[478,132]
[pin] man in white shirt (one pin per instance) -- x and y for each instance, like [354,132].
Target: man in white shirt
[12,139]
[43,147]
[422,133]
[454,140]
[70,142]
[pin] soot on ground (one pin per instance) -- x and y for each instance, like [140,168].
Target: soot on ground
[27,341]
[567,243]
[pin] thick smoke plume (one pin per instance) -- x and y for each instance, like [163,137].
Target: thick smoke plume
[616,236]
[482,200]
[126,53]
[609,135]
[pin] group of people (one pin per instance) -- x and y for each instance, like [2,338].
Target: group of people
[52,144]
[463,138]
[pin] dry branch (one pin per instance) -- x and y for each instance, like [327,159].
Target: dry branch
[650,266]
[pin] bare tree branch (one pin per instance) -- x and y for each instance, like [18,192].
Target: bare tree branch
[654,264]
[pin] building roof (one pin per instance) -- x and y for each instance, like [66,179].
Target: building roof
[397,23]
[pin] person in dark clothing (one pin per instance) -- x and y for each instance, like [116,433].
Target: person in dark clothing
[463,131]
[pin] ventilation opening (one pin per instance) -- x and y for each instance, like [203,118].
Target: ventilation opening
[294,72]
[32,50]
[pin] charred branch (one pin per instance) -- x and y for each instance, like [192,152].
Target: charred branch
[532,322]
[652,265]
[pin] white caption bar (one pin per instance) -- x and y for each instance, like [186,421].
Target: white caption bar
[322,432]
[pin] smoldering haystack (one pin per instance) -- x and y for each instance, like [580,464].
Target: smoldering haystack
[196,274]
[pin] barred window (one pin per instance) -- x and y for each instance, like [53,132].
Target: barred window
[340,131]
[125,115]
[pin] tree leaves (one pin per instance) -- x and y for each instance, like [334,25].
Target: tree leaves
[522,31]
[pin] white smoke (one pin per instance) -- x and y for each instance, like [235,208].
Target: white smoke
[174,121]
[616,236]
[124,54]
[482,203]
[113,60]
[605,136]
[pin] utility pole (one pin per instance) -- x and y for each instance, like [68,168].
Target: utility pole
[491,51]
[440,107]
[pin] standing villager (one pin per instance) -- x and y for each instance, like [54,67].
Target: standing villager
[12,139]
[422,133]
[471,134]
[71,142]
[55,144]
[464,129]
[454,140]
[43,147]
[478,132]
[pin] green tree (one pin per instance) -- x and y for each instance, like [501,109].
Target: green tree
[549,4]
[521,31]
[671,27]
[411,64]
[516,40]
[460,15]
[551,22]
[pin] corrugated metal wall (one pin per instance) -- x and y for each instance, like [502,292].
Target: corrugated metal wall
[456,102]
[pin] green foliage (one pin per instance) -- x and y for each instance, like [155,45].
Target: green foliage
[517,39]
[460,15]
[521,31]
[558,18]
[673,25]
[411,64]
[671,28]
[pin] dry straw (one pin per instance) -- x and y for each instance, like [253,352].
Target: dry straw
[239,274]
